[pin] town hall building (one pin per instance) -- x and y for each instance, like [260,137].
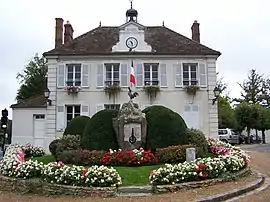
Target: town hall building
[91,72]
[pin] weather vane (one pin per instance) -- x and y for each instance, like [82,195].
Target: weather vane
[131,2]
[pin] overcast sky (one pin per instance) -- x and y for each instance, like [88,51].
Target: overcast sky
[239,29]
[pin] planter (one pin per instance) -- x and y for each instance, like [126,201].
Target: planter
[112,91]
[151,91]
[72,89]
[192,89]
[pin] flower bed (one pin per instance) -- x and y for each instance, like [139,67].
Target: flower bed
[129,157]
[15,165]
[230,159]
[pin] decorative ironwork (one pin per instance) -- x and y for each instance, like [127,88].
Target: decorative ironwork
[132,138]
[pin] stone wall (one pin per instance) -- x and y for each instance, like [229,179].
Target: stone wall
[38,186]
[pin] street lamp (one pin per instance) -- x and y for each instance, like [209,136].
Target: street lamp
[47,93]
[216,94]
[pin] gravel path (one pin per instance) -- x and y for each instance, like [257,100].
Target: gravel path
[261,162]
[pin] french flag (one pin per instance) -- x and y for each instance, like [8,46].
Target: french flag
[132,75]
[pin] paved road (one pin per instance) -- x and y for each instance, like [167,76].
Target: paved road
[257,147]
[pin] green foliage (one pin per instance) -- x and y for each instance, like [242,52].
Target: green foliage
[81,157]
[197,138]
[252,88]
[264,119]
[53,146]
[247,115]
[172,154]
[99,133]
[165,127]
[32,78]
[226,115]
[67,142]
[77,125]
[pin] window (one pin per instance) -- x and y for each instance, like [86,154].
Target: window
[73,111]
[112,74]
[150,74]
[190,74]
[73,74]
[112,106]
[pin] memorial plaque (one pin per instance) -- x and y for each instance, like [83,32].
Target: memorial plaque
[128,131]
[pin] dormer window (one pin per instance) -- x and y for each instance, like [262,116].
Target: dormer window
[73,75]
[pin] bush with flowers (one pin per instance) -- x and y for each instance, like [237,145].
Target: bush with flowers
[230,159]
[129,157]
[14,164]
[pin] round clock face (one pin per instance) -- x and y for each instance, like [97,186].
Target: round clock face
[131,42]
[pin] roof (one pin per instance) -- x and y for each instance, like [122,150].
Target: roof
[38,101]
[163,40]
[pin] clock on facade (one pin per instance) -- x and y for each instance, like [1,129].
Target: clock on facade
[131,42]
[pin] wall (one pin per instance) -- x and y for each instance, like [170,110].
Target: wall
[22,124]
[170,96]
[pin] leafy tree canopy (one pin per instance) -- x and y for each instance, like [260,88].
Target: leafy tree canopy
[226,115]
[32,78]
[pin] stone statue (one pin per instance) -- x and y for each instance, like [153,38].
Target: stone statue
[132,95]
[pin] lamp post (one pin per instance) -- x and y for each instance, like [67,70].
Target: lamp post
[47,93]
[216,94]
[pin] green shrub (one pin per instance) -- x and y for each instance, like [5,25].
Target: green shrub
[76,125]
[164,127]
[68,142]
[172,154]
[53,146]
[81,157]
[198,139]
[99,133]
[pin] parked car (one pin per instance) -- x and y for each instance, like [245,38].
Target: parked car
[228,135]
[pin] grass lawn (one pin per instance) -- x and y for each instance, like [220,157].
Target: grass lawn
[130,175]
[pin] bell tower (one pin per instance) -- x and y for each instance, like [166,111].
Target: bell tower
[131,14]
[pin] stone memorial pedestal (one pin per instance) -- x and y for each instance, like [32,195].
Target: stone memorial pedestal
[130,126]
[190,154]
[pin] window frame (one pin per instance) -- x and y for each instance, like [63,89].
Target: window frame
[73,81]
[112,106]
[112,80]
[73,113]
[190,80]
[151,82]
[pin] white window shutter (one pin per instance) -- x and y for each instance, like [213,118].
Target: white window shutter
[85,75]
[124,75]
[99,107]
[163,75]
[202,75]
[177,68]
[139,74]
[60,118]
[100,75]
[61,76]
[85,110]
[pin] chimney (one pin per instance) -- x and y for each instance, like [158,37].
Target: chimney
[68,36]
[195,28]
[58,32]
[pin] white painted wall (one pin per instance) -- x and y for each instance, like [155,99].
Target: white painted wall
[170,96]
[23,125]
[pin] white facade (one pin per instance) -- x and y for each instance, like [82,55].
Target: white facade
[198,111]
[29,126]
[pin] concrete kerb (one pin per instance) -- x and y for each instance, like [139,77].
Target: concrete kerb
[237,192]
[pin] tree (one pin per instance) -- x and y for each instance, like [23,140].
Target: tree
[247,115]
[252,88]
[226,116]
[265,95]
[32,78]
[264,121]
